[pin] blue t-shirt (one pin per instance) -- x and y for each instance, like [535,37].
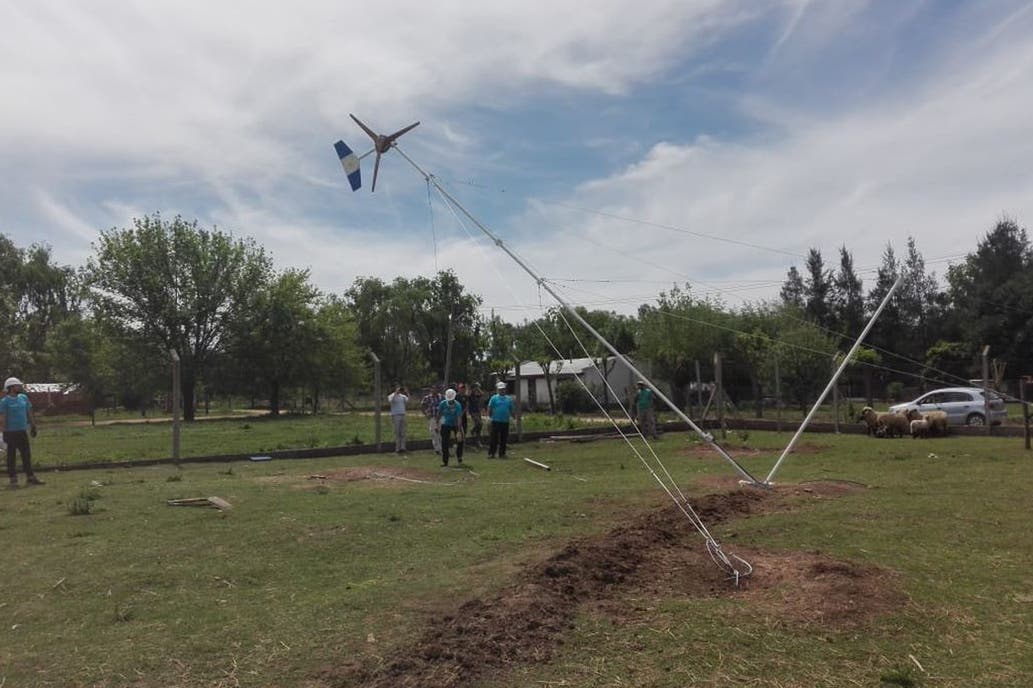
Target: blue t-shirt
[16,412]
[450,413]
[500,406]
[644,399]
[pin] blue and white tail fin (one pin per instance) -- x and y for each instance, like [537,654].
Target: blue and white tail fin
[350,162]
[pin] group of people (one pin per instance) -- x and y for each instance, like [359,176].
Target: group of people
[17,424]
[450,416]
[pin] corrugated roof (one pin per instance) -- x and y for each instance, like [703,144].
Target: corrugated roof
[560,367]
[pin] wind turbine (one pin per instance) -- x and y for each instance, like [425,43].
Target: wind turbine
[382,143]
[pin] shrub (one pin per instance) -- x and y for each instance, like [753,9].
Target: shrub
[572,398]
[895,391]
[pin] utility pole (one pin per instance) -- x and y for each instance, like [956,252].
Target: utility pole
[175,405]
[778,396]
[448,351]
[377,394]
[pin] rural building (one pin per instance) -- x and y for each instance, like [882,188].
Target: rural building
[534,393]
[56,398]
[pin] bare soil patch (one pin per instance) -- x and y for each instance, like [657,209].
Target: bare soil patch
[386,475]
[734,450]
[657,553]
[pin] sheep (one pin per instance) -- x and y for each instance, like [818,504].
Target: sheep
[884,424]
[937,420]
[919,428]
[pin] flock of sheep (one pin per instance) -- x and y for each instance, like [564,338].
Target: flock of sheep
[915,423]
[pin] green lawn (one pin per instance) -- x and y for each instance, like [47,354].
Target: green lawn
[64,443]
[302,575]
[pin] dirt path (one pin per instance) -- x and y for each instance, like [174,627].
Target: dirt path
[658,554]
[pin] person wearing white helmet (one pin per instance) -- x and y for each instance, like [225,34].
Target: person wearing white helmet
[16,423]
[451,414]
[500,406]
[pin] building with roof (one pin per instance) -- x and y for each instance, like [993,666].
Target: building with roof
[533,391]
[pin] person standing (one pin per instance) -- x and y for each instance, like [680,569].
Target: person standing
[475,408]
[464,400]
[500,406]
[17,424]
[430,405]
[451,426]
[644,411]
[398,399]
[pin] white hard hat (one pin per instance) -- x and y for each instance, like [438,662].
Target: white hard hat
[11,382]
[500,385]
[450,394]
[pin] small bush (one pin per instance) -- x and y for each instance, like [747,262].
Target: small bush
[357,440]
[174,478]
[80,506]
[123,613]
[895,391]
[572,398]
[899,676]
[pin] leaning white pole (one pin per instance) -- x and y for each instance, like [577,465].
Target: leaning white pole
[835,377]
[706,436]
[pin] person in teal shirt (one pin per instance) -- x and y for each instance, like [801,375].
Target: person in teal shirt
[500,406]
[644,411]
[451,415]
[17,423]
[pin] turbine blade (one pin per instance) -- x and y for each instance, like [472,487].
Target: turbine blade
[350,163]
[376,168]
[398,133]
[369,132]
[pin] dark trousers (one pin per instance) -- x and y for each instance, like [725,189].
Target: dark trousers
[477,428]
[18,441]
[447,433]
[499,437]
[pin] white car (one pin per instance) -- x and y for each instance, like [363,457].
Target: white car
[964,405]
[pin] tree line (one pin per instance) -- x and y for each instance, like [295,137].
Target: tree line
[241,327]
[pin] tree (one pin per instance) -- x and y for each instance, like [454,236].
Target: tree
[85,356]
[177,286]
[277,337]
[680,330]
[992,294]
[337,359]
[885,334]
[847,297]
[817,289]
[793,290]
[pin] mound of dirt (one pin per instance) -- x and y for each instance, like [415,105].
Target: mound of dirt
[657,553]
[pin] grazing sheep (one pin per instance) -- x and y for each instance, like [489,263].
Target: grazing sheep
[884,424]
[937,420]
[919,428]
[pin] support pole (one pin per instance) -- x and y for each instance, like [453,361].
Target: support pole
[778,396]
[1023,381]
[450,338]
[377,401]
[835,397]
[986,390]
[175,405]
[542,283]
[835,378]
[719,383]
[699,390]
[519,405]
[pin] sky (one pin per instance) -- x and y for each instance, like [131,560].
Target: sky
[617,149]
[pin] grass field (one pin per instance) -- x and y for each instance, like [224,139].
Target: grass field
[66,442]
[105,585]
